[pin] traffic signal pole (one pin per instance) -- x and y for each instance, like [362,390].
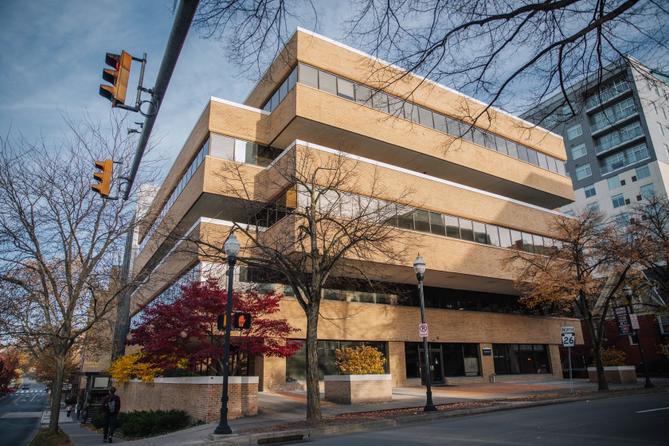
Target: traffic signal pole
[180,27]
[182,22]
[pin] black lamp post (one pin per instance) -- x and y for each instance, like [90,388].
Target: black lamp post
[231,248]
[628,296]
[419,269]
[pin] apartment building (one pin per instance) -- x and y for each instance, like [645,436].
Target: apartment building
[474,199]
[617,146]
[617,142]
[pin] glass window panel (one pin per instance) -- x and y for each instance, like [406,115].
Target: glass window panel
[437,223]
[480,234]
[467,133]
[222,146]
[425,117]
[522,153]
[527,242]
[363,94]
[345,88]
[411,112]
[478,137]
[501,145]
[327,82]
[454,127]
[380,101]
[532,157]
[466,229]
[292,79]
[396,106]
[240,150]
[512,148]
[452,226]
[516,239]
[274,101]
[440,122]
[283,90]
[421,220]
[543,161]
[505,240]
[405,218]
[251,155]
[308,75]
[493,235]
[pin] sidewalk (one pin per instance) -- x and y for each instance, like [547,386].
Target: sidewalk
[276,408]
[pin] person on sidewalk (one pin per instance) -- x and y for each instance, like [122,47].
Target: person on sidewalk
[111,406]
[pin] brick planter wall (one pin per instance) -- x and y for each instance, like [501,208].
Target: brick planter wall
[200,396]
[354,389]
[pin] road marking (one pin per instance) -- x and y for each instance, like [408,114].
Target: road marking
[652,410]
[22,415]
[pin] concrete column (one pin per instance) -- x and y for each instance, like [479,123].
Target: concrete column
[397,363]
[273,372]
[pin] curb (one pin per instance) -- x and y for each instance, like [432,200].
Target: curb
[306,434]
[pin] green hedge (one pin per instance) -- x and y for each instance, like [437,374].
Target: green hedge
[147,423]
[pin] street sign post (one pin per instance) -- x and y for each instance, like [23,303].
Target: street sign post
[422,331]
[568,335]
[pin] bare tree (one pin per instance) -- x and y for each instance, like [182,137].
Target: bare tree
[511,54]
[324,216]
[59,241]
[581,275]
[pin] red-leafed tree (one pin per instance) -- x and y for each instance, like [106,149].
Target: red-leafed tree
[186,330]
[9,369]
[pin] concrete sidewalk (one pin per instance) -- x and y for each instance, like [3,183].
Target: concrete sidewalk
[285,407]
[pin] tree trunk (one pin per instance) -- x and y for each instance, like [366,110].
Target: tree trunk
[313,390]
[56,392]
[602,384]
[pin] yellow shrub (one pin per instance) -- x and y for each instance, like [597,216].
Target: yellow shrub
[611,356]
[130,366]
[364,360]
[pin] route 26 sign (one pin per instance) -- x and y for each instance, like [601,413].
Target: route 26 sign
[568,335]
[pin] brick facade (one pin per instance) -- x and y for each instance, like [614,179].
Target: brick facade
[200,396]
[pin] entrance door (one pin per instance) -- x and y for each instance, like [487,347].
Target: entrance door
[436,367]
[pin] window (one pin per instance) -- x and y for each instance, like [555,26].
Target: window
[613,183]
[647,190]
[505,238]
[327,82]
[590,191]
[642,172]
[574,132]
[618,200]
[663,322]
[493,235]
[625,158]
[594,206]
[345,88]
[421,220]
[363,94]
[466,229]
[578,151]
[425,117]
[437,223]
[515,359]
[452,226]
[308,76]
[480,235]
[440,122]
[380,101]
[583,171]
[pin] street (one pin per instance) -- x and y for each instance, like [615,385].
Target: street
[20,414]
[630,420]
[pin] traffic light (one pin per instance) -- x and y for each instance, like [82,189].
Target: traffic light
[241,321]
[117,77]
[103,176]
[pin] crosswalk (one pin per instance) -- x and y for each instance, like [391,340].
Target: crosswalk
[30,391]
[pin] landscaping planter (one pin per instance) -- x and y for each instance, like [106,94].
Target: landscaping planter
[616,374]
[354,389]
[200,396]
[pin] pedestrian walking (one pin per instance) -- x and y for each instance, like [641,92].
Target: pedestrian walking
[111,406]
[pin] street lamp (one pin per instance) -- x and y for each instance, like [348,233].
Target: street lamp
[231,248]
[628,295]
[419,269]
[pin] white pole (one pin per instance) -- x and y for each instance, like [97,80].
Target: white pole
[571,379]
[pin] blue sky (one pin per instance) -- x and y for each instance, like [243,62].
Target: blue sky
[53,55]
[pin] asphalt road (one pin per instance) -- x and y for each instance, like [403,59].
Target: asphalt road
[20,415]
[630,420]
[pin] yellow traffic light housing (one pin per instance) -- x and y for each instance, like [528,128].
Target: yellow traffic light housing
[118,78]
[103,177]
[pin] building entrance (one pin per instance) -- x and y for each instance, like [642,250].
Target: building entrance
[446,359]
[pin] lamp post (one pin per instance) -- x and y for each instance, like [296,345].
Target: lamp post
[628,295]
[231,248]
[419,269]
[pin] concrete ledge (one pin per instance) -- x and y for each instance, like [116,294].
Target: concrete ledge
[349,378]
[203,380]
